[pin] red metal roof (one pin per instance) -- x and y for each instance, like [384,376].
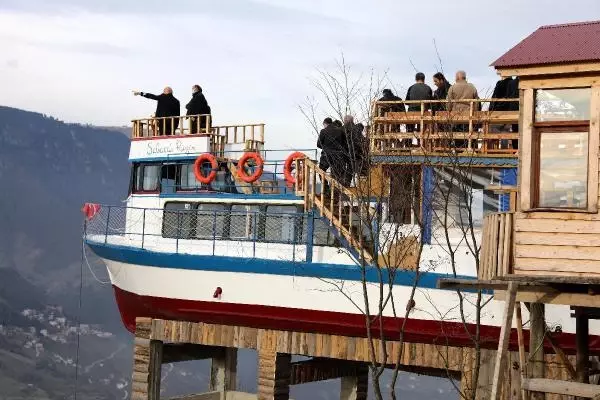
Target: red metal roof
[553,44]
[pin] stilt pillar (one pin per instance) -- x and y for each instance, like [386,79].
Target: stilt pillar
[536,345]
[223,371]
[147,364]
[582,327]
[355,387]
[273,375]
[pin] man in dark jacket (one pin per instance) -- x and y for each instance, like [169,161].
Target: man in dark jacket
[334,152]
[198,106]
[418,92]
[388,95]
[166,106]
[356,147]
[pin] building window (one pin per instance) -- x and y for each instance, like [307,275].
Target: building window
[560,148]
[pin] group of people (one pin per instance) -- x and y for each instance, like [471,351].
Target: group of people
[167,105]
[343,148]
[457,95]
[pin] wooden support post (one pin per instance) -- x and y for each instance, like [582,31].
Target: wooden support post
[509,308]
[355,387]
[223,371]
[582,344]
[273,375]
[522,357]
[536,345]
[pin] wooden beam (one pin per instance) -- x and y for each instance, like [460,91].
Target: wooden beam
[322,369]
[565,388]
[355,387]
[495,284]
[521,341]
[582,343]
[509,308]
[154,369]
[176,352]
[223,370]
[552,69]
[537,332]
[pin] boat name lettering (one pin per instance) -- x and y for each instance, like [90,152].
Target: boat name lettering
[173,147]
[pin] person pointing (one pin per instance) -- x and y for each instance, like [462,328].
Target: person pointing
[166,106]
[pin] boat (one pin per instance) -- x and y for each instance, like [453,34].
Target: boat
[199,240]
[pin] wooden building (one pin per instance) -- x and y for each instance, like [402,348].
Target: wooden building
[547,250]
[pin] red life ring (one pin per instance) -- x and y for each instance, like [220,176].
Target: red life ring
[287,167]
[257,172]
[90,210]
[214,166]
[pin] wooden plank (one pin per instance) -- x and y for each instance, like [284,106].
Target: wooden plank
[154,369]
[560,226]
[509,308]
[570,68]
[564,252]
[508,243]
[525,168]
[521,342]
[553,82]
[551,296]
[557,216]
[200,396]
[561,387]
[537,332]
[557,239]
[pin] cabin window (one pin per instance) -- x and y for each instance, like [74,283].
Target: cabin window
[146,178]
[178,220]
[281,227]
[187,178]
[242,221]
[210,220]
[560,148]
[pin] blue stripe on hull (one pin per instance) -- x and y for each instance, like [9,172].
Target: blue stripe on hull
[137,256]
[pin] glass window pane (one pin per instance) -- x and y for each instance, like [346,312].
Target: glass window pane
[242,221]
[562,104]
[151,173]
[138,184]
[563,169]
[188,179]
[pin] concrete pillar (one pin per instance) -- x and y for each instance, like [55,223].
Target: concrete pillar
[223,371]
[355,387]
[273,375]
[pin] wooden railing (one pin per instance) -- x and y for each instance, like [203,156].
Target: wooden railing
[444,127]
[197,125]
[495,258]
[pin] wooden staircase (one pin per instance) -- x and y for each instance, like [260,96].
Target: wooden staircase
[343,207]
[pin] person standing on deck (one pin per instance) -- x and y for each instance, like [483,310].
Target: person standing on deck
[461,90]
[418,92]
[198,106]
[334,151]
[356,147]
[441,92]
[166,106]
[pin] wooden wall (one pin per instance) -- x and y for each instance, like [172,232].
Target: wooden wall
[554,242]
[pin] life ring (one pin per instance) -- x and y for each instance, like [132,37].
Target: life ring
[258,170]
[287,167]
[202,158]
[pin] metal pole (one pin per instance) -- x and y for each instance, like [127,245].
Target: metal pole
[107,223]
[144,226]
[214,229]
[254,236]
[178,231]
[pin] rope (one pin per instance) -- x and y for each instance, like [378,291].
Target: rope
[83,258]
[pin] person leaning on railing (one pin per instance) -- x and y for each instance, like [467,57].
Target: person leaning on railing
[198,106]
[166,106]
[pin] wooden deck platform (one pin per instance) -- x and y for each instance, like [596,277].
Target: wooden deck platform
[348,358]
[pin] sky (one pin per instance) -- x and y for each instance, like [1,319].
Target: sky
[256,60]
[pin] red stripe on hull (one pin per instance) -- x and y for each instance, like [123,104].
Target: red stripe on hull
[132,305]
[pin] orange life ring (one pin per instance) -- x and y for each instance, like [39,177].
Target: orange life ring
[257,172]
[287,167]
[202,158]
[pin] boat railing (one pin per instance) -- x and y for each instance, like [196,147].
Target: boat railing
[248,233]
[185,125]
[496,246]
[438,127]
